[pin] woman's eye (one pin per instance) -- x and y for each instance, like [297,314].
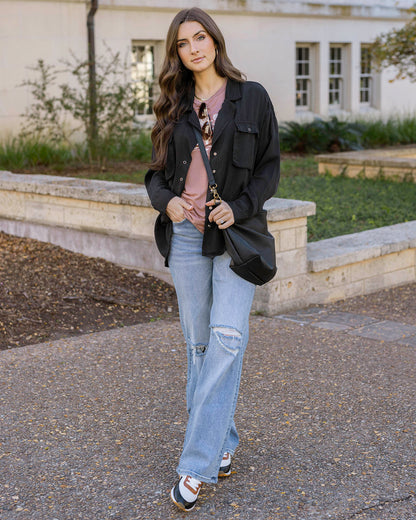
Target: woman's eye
[201,37]
[182,44]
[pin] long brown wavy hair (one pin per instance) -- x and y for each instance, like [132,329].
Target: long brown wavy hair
[176,81]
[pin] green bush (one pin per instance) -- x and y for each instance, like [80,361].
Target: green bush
[54,103]
[334,135]
[20,153]
[301,137]
[392,132]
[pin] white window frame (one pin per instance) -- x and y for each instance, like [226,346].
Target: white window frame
[337,66]
[366,75]
[305,77]
[144,75]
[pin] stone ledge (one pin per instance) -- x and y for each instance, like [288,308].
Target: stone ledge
[356,247]
[286,209]
[75,188]
[124,193]
[403,157]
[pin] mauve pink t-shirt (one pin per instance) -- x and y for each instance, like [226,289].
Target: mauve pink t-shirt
[196,184]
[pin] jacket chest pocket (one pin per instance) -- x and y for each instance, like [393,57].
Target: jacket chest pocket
[244,146]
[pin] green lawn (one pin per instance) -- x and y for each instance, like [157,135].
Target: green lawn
[346,205]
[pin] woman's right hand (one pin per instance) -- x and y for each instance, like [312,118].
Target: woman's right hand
[175,207]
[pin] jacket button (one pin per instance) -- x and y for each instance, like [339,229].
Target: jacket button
[181,179]
[249,129]
[214,171]
[209,226]
[215,153]
[184,162]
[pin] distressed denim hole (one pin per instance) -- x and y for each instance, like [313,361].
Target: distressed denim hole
[228,338]
[200,349]
[197,350]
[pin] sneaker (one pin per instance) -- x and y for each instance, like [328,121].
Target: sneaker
[225,467]
[185,493]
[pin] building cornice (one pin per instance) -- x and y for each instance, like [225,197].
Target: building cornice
[371,9]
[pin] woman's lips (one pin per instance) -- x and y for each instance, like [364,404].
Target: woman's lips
[197,60]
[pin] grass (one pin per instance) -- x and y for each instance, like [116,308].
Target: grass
[18,154]
[346,205]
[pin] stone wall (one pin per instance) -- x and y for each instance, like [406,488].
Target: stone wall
[115,221]
[391,163]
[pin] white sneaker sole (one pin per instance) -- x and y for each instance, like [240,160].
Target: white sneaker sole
[177,504]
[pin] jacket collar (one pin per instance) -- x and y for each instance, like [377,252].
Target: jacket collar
[226,114]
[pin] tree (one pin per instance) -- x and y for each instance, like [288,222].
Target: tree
[397,48]
[60,111]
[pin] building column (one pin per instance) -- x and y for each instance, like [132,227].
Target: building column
[354,74]
[322,75]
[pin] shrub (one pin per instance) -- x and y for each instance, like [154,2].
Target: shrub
[48,116]
[334,135]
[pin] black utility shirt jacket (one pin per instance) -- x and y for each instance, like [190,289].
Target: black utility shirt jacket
[244,158]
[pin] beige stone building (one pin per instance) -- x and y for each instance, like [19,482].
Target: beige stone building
[311,56]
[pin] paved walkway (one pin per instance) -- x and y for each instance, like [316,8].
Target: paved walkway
[91,427]
[355,324]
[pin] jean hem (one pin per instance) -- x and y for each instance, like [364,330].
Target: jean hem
[193,474]
[231,452]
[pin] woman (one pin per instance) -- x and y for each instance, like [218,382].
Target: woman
[201,89]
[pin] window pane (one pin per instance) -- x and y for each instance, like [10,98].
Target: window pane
[365,75]
[143,76]
[303,72]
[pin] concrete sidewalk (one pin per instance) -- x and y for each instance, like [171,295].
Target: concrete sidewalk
[91,427]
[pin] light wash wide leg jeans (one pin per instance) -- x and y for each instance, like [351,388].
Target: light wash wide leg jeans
[214,306]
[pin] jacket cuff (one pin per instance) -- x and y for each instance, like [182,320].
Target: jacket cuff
[165,196]
[239,212]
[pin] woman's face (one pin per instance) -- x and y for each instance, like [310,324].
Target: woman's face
[196,48]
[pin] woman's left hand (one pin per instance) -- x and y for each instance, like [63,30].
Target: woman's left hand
[222,214]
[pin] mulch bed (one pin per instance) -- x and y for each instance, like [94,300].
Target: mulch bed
[47,292]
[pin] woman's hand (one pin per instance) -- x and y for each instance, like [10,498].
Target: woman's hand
[222,214]
[175,207]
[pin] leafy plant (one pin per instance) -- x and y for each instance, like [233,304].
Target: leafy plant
[397,48]
[339,135]
[61,115]
[320,135]
[301,137]
[18,153]
[334,135]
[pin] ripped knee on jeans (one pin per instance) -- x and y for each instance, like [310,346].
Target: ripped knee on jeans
[228,337]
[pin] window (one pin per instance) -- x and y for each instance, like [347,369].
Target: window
[336,71]
[303,77]
[365,77]
[143,75]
